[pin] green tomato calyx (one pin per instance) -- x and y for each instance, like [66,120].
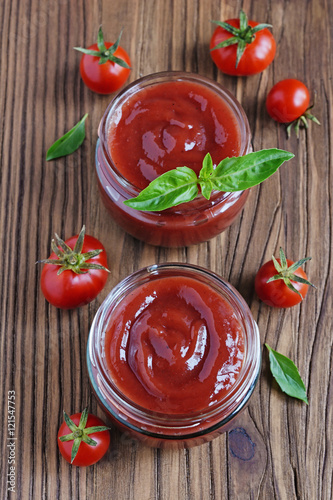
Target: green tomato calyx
[80,432]
[103,53]
[242,36]
[287,274]
[302,121]
[72,259]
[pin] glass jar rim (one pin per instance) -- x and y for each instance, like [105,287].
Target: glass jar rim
[163,77]
[252,357]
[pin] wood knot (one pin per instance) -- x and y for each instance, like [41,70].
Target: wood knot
[240,444]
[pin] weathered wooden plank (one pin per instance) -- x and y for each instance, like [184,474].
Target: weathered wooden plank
[280,448]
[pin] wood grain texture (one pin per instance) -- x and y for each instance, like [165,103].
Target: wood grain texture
[279,448]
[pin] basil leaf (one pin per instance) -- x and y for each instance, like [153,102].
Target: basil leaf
[207,167]
[286,374]
[206,188]
[231,174]
[204,178]
[242,172]
[169,189]
[69,142]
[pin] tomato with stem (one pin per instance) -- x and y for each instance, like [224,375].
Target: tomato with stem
[281,282]
[104,66]
[240,47]
[83,438]
[288,101]
[76,271]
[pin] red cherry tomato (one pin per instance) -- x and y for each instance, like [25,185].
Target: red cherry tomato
[284,291]
[86,454]
[74,288]
[287,100]
[256,57]
[104,78]
[104,66]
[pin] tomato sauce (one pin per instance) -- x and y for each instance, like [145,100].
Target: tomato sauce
[174,345]
[158,123]
[170,125]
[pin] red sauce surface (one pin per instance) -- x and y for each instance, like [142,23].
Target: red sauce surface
[174,345]
[170,125]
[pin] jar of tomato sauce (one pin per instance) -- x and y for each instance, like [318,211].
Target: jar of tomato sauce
[173,355]
[160,122]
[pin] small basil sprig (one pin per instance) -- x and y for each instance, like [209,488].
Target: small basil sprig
[180,185]
[69,142]
[286,374]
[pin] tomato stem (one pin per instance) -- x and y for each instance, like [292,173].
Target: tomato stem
[103,53]
[287,274]
[80,433]
[72,259]
[242,36]
[302,121]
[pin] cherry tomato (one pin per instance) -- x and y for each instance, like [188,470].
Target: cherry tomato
[82,267]
[259,47]
[287,100]
[288,285]
[104,66]
[87,439]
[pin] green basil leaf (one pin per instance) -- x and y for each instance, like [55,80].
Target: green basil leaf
[286,374]
[206,188]
[180,185]
[69,142]
[207,167]
[204,178]
[169,189]
[242,172]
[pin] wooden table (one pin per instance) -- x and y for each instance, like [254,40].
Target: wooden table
[285,448]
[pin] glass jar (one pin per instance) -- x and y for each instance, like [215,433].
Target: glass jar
[169,429]
[186,224]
